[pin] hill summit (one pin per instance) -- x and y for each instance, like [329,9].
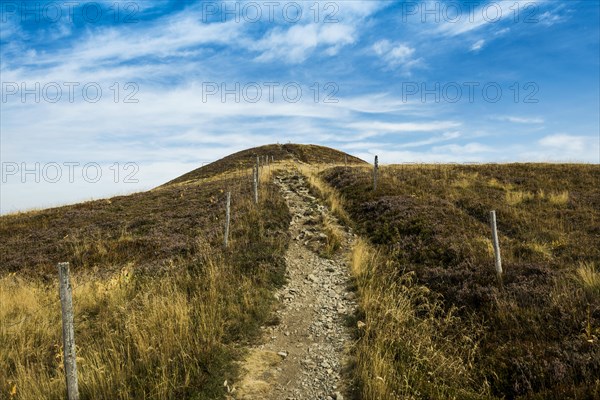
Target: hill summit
[305,153]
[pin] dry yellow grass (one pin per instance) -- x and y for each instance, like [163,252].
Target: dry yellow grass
[544,249]
[500,185]
[143,333]
[329,195]
[559,198]
[153,331]
[399,319]
[334,237]
[464,180]
[517,197]
[589,277]
[253,385]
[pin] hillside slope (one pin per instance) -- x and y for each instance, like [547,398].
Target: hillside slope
[146,228]
[161,308]
[534,335]
[310,154]
[164,311]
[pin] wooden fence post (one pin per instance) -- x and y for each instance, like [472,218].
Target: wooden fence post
[375,172]
[345,160]
[227,219]
[66,303]
[257,166]
[255,176]
[496,243]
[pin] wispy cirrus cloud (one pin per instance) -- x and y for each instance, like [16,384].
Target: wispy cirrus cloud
[486,14]
[380,128]
[519,120]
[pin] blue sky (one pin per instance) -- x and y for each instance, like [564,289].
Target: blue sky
[434,81]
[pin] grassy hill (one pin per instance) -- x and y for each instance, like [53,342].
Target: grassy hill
[459,332]
[311,154]
[163,310]
[161,307]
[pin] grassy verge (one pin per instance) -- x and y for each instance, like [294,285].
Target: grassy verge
[437,323]
[160,307]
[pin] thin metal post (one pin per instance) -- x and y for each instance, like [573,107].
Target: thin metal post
[255,179]
[227,219]
[496,243]
[66,303]
[375,172]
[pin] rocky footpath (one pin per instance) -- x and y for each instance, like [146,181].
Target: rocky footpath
[305,355]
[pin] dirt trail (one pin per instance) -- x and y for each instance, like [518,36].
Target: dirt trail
[305,355]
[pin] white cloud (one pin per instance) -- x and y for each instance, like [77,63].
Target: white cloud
[488,14]
[296,44]
[570,144]
[168,37]
[394,155]
[432,140]
[469,149]
[519,120]
[378,127]
[478,45]
[502,32]
[549,18]
[376,103]
[396,55]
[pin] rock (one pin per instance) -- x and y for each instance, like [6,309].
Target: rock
[338,396]
[283,354]
[312,278]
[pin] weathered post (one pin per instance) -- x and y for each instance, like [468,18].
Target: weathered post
[375,172]
[255,179]
[227,219]
[345,160]
[496,244]
[66,303]
[257,166]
